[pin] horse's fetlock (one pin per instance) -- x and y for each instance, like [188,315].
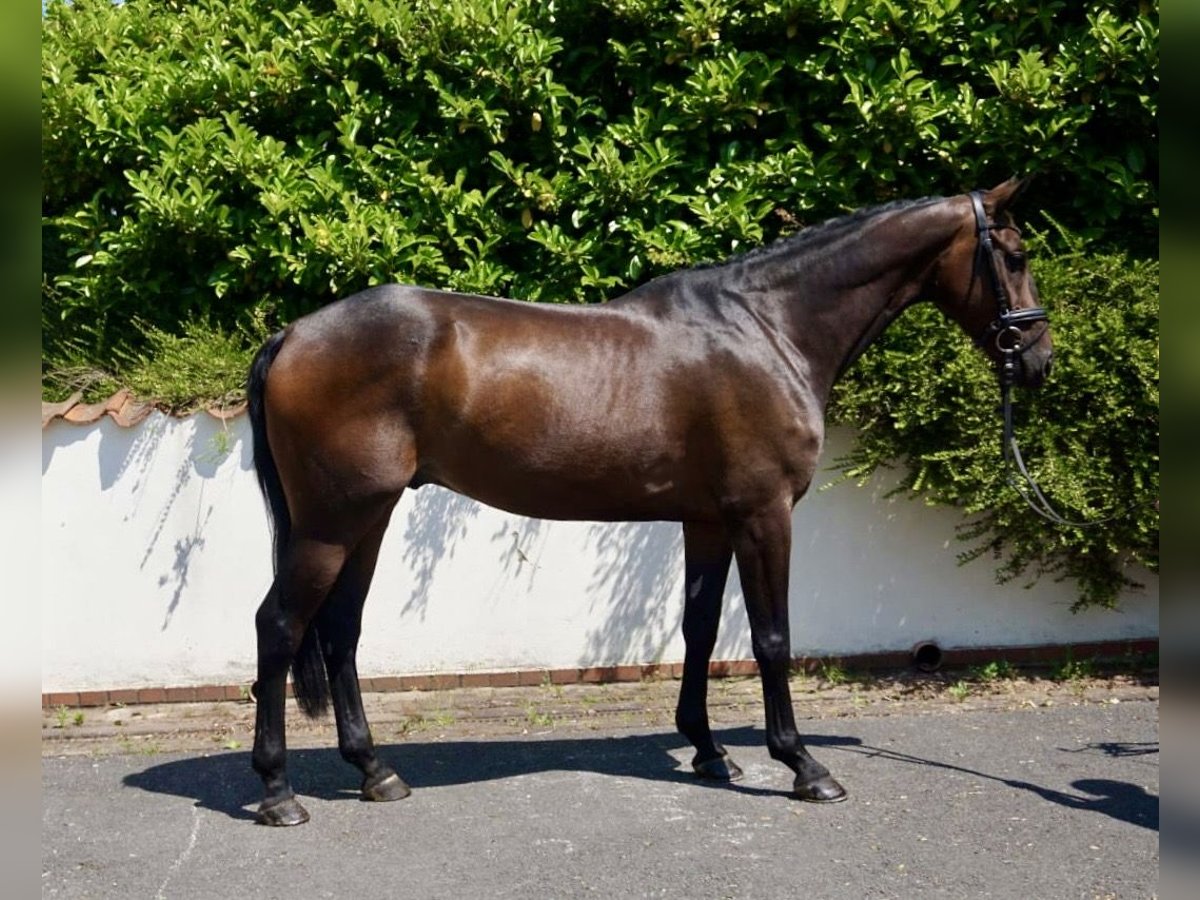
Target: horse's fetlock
[785,748]
[690,724]
[267,763]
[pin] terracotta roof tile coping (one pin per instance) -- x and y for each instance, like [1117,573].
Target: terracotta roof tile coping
[122,408]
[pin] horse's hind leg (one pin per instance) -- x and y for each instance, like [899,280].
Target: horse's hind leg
[707,554]
[308,571]
[339,624]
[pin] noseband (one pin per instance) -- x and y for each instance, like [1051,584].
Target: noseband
[1007,329]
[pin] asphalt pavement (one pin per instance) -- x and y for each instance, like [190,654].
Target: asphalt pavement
[1019,798]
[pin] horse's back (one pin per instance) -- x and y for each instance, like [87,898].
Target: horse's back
[456,384]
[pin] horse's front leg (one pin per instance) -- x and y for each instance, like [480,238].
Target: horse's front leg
[762,543]
[707,554]
[339,624]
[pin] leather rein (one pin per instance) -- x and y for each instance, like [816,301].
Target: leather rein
[1007,333]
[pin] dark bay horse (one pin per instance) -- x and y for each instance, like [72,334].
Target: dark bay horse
[697,398]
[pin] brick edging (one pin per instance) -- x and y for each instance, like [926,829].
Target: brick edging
[733,668]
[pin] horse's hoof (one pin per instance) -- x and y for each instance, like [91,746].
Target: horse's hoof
[820,790]
[385,786]
[287,811]
[719,768]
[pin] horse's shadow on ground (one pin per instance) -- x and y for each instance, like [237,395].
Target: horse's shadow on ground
[225,782]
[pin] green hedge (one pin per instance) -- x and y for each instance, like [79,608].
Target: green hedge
[212,169]
[200,159]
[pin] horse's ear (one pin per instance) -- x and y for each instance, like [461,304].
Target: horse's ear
[1003,196]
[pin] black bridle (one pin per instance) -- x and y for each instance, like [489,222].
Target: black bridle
[1007,332]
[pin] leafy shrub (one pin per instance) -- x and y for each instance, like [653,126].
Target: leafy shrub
[203,159]
[221,164]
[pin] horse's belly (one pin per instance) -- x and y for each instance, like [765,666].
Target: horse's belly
[570,480]
[566,502]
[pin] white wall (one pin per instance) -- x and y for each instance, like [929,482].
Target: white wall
[155,555]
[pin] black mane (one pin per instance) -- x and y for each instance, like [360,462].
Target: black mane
[815,237]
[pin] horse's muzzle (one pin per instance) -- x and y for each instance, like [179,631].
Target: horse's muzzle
[1034,368]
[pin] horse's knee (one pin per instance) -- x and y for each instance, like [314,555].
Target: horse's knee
[772,651]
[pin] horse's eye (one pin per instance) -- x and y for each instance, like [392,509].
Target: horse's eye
[1015,262]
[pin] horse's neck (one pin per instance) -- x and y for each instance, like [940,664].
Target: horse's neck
[833,301]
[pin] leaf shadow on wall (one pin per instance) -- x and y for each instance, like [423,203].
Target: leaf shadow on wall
[126,461]
[638,582]
[433,524]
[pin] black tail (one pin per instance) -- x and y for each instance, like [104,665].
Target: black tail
[309,682]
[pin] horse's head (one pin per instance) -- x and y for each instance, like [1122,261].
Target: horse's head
[982,281]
